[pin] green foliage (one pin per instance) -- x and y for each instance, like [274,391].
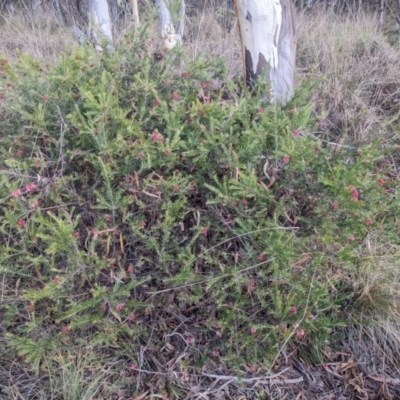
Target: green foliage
[145,197]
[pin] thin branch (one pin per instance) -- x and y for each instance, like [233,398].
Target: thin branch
[246,380]
[210,279]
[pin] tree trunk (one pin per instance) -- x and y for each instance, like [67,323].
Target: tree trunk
[99,19]
[182,14]
[268,44]
[135,12]
[166,26]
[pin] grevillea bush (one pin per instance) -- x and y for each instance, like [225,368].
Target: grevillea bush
[154,213]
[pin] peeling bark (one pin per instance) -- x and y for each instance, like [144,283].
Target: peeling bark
[268,44]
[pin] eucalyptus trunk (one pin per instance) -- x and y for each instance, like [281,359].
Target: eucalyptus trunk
[99,19]
[268,44]
[170,36]
[135,12]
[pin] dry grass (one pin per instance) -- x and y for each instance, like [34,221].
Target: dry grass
[356,69]
[378,280]
[41,37]
[215,30]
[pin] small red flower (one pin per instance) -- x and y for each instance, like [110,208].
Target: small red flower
[185,74]
[204,231]
[119,306]
[21,222]
[293,309]
[130,268]
[45,98]
[296,132]
[381,181]
[285,158]
[253,330]
[176,188]
[335,205]
[189,340]
[205,84]
[300,332]
[108,218]
[167,152]
[64,329]
[141,154]
[156,135]
[30,187]
[252,285]
[75,234]
[261,257]
[260,110]
[244,202]
[56,279]
[293,108]
[19,153]
[354,192]
[16,193]
[368,221]
[143,224]
[37,163]
[175,96]
[317,150]
[156,103]
[31,306]
[202,111]
[215,354]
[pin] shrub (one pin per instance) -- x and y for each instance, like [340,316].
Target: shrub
[153,210]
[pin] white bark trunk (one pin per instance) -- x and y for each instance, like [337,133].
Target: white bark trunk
[268,44]
[166,26]
[99,19]
[182,14]
[135,12]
